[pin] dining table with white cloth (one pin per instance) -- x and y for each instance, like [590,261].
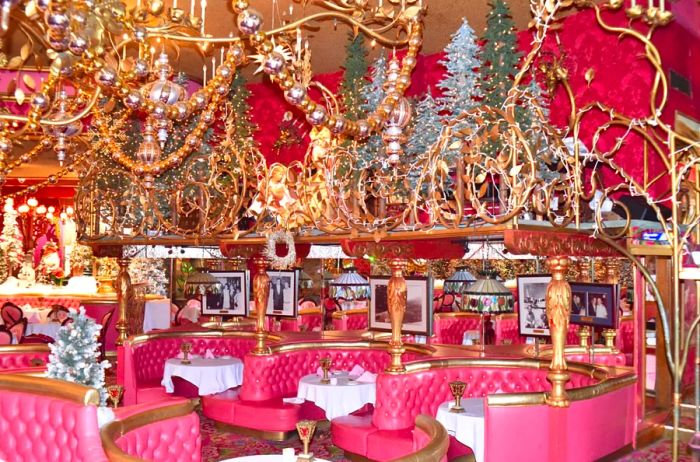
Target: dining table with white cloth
[49,329]
[345,396]
[156,314]
[209,375]
[466,426]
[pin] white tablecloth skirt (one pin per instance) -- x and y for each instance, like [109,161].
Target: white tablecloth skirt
[156,314]
[209,375]
[46,328]
[337,400]
[468,426]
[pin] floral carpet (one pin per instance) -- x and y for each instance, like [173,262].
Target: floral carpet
[220,445]
[657,452]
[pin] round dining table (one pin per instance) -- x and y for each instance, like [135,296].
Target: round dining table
[466,426]
[337,399]
[209,375]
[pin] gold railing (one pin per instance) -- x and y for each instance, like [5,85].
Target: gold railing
[438,443]
[79,394]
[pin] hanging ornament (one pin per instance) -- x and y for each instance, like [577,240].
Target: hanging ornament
[148,152]
[65,129]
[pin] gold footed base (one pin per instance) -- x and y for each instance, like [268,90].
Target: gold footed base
[457,410]
[558,396]
[396,366]
[305,457]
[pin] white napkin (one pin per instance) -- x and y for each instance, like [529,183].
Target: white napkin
[367,377]
[181,355]
[34,316]
[208,354]
[356,371]
[319,372]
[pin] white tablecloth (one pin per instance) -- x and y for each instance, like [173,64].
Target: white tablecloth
[46,328]
[209,375]
[337,400]
[156,314]
[467,426]
[470,337]
[267,458]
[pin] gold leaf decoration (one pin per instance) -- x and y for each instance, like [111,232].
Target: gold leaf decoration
[15,62]
[30,9]
[589,75]
[29,81]
[19,96]
[25,51]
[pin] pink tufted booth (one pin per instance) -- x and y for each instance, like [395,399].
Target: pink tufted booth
[387,433]
[308,320]
[141,369]
[603,359]
[624,341]
[174,437]
[24,358]
[449,328]
[507,330]
[41,302]
[350,319]
[267,379]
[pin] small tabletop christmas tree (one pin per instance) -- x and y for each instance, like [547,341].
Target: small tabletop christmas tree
[75,354]
[354,77]
[11,239]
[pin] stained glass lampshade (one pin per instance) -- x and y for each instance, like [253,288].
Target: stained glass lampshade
[350,285]
[487,295]
[459,281]
[200,282]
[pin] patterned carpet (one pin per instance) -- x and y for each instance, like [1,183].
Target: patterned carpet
[657,452]
[218,445]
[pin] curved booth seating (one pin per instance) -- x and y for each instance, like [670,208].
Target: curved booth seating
[173,437]
[514,391]
[140,370]
[430,441]
[54,420]
[308,320]
[24,358]
[268,379]
[449,328]
[350,319]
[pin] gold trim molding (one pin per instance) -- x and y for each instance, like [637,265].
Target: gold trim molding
[60,389]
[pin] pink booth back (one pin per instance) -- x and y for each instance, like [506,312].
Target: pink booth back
[173,440]
[351,321]
[23,358]
[312,320]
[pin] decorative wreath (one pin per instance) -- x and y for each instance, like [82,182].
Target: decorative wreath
[270,251]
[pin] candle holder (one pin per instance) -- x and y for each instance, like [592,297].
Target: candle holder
[306,429]
[186,347]
[114,394]
[457,388]
[325,366]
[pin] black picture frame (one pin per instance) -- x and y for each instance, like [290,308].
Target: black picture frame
[283,299]
[418,319]
[594,304]
[232,300]
[532,314]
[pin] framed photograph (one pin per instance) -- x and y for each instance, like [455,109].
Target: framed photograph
[284,293]
[532,315]
[594,304]
[232,300]
[418,319]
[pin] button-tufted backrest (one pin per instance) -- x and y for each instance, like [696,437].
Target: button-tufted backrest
[603,359]
[37,427]
[572,337]
[174,440]
[401,397]
[624,341]
[150,356]
[356,321]
[450,329]
[507,330]
[277,375]
[23,357]
[42,302]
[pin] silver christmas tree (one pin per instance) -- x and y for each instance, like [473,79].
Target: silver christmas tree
[150,271]
[11,239]
[75,354]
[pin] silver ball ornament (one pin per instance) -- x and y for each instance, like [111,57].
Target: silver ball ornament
[57,22]
[78,44]
[249,21]
[141,68]
[140,34]
[296,94]
[106,77]
[238,53]
[318,116]
[182,112]
[224,71]
[274,62]
[42,5]
[40,101]
[5,145]
[339,124]
[363,129]
[59,43]
[134,100]
[222,89]
[200,98]
[160,111]
[208,117]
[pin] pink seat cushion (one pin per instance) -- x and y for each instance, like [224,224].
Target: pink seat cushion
[310,411]
[457,449]
[220,406]
[385,445]
[350,432]
[270,415]
[184,388]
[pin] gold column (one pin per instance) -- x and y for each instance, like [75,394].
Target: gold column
[612,276]
[261,292]
[396,294]
[558,306]
[584,332]
[123,298]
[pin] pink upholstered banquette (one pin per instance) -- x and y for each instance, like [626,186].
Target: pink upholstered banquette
[24,358]
[307,320]
[140,370]
[350,320]
[387,432]
[449,328]
[267,379]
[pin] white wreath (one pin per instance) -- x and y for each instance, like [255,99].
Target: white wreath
[270,251]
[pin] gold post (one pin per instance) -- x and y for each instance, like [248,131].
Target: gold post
[397,308]
[609,336]
[558,306]
[612,276]
[584,335]
[584,267]
[261,292]
[123,297]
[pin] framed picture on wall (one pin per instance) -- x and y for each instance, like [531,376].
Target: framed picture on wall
[532,315]
[418,319]
[594,304]
[284,293]
[232,300]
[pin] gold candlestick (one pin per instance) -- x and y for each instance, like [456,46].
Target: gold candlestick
[114,394]
[325,366]
[457,388]
[306,429]
[186,347]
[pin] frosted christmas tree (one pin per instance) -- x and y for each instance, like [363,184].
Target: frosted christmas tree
[75,353]
[354,77]
[461,86]
[152,272]
[371,149]
[11,238]
[427,127]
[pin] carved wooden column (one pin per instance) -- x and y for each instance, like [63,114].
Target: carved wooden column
[261,293]
[396,294]
[612,276]
[558,306]
[584,332]
[123,298]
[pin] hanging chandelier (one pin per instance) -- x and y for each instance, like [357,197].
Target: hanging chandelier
[63,128]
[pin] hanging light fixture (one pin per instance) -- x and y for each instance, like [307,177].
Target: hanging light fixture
[459,281]
[201,282]
[393,134]
[148,152]
[350,285]
[65,130]
[487,295]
